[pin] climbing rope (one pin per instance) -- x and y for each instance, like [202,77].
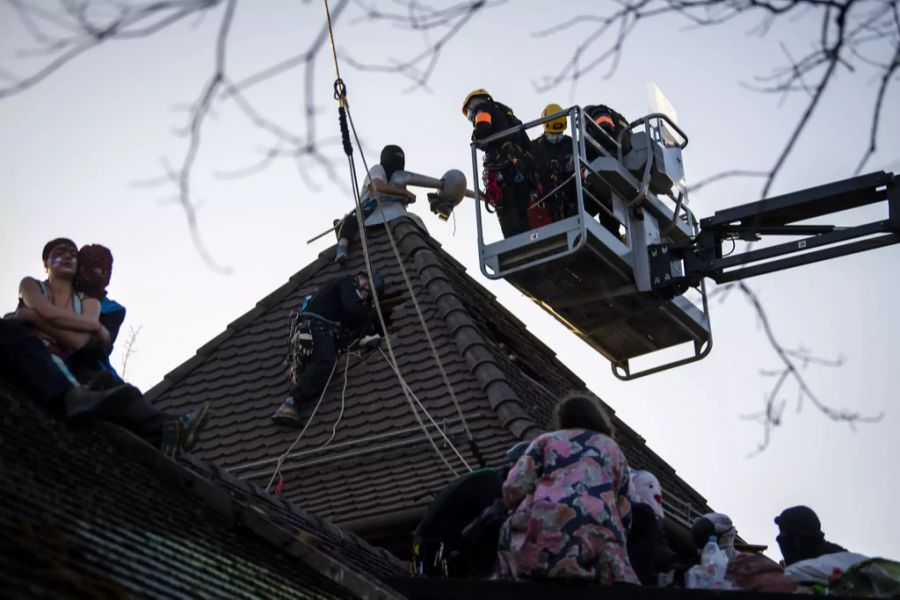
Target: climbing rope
[425,410]
[340,91]
[277,471]
[412,293]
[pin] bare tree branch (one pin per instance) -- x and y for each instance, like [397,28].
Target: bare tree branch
[793,363]
[128,350]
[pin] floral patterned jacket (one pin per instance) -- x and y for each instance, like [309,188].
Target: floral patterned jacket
[570,510]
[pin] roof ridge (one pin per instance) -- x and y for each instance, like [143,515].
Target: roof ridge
[469,339]
[263,525]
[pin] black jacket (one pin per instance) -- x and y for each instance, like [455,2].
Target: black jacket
[337,303]
[493,117]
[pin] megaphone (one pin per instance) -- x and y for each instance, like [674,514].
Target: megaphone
[451,189]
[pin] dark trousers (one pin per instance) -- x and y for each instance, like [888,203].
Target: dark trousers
[349,228]
[318,366]
[25,360]
[513,211]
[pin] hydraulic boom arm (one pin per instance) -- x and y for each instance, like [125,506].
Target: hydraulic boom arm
[673,269]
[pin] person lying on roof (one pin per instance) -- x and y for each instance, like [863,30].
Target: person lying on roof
[52,324]
[377,184]
[340,309]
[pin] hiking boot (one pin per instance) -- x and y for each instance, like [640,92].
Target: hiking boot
[84,403]
[341,255]
[170,438]
[287,414]
[192,423]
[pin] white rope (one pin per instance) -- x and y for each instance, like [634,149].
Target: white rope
[364,243]
[425,329]
[425,410]
[277,471]
[343,404]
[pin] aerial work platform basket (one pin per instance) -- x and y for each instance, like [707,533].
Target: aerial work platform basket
[591,270]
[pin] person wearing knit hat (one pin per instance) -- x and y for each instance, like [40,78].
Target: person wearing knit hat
[800,535]
[94,272]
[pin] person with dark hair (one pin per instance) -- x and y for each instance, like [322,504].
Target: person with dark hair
[567,494]
[62,318]
[510,180]
[341,310]
[800,535]
[377,185]
[52,323]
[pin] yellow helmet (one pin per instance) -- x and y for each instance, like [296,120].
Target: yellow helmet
[557,125]
[475,94]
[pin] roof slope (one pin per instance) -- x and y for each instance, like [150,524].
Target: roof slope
[379,463]
[94,511]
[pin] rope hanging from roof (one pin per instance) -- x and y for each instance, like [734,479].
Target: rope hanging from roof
[277,471]
[344,116]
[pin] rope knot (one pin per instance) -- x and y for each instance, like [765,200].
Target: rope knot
[340,90]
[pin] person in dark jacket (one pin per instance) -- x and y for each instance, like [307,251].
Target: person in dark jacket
[94,272]
[648,547]
[800,535]
[510,180]
[341,309]
[555,165]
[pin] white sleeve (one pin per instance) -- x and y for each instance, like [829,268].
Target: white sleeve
[376,172]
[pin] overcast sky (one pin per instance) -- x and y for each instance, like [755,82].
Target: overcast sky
[74,146]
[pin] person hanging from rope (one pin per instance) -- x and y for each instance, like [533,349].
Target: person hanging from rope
[554,162]
[509,178]
[377,185]
[336,315]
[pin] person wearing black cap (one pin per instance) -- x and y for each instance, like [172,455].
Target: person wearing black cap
[377,184]
[800,535]
[341,310]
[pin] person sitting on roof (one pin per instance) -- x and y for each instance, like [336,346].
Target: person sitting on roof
[746,570]
[648,548]
[94,272]
[377,185]
[800,535]
[568,497]
[341,308]
[67,322]
[509,177]
[554,162]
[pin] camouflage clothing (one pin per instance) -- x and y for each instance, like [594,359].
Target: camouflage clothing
[569,503]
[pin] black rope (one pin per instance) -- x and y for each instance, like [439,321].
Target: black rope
[340,94]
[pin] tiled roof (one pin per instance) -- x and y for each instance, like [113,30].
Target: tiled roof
[379,463]
[94,511]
